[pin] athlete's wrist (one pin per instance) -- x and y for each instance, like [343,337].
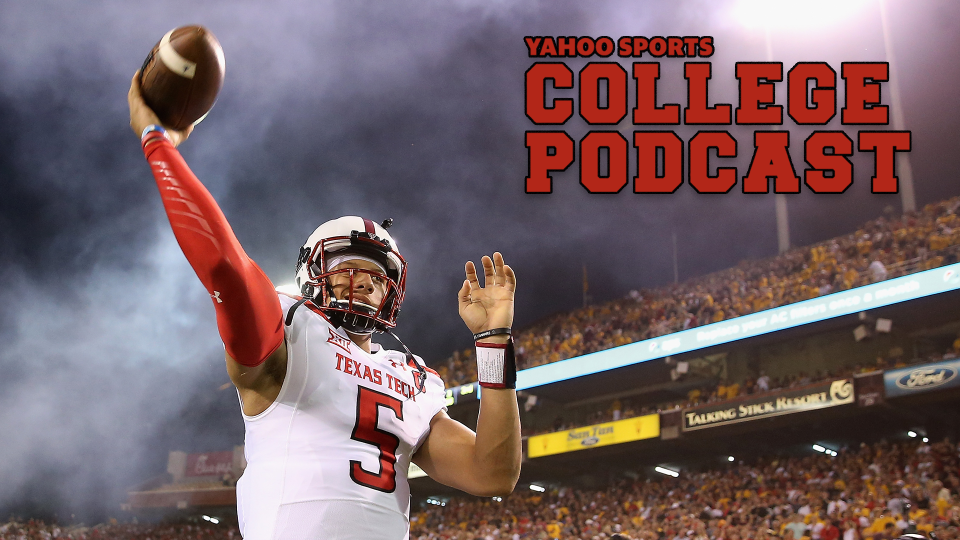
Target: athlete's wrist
[494,339]
[502,335]
[153,133]
[496,364]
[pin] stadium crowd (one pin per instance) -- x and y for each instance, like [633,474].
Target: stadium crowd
[113,530]
[881,249]
[870,492]
[867,492]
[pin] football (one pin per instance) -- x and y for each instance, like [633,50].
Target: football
[182,75]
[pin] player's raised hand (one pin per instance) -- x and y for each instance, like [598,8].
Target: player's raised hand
[490,306]
[142,116]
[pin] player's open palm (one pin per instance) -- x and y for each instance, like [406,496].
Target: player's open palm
[490,306]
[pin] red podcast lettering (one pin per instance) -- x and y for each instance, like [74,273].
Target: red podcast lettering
[535,89]
[646,111]
[862,102]
[590,162]
[616,79]
[884,145]
[836,162]
[823,95]
[647,179]
[700,177]
[697,111]
[547,151]
[757,98]
[771,159]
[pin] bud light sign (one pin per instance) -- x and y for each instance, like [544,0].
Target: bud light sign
[923,378]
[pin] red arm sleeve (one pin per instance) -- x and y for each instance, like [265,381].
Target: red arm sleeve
[249,316]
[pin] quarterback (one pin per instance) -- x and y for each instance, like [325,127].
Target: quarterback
[333,420]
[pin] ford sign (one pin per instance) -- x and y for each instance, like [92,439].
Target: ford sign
[926,377]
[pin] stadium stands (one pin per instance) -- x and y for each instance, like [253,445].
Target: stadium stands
[882,249]
[868,492]
[691,407]
[617,409]
[37,530]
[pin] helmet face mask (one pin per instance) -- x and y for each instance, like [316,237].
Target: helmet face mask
[343,237]
[351,312]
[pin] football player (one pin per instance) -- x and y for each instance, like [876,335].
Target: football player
[332,419]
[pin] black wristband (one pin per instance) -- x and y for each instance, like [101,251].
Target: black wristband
[491,332]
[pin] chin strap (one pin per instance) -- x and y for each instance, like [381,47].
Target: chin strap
[293,308]
[420,377]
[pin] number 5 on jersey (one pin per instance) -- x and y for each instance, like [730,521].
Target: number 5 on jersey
[366,431]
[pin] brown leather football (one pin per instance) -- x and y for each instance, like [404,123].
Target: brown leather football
[182,75]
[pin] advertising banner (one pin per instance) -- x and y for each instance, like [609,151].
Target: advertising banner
[869,388]
[209,464]
[621,431]
[808,398]
[924,378]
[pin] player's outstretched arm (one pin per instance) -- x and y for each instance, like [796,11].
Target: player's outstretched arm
[249,316]
[485,463]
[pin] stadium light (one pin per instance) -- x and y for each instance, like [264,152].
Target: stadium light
[731,459]
[289,288]
[214,520]
[436,502]
[206,518]
[825,450]
[912,434]
[784,14]
[535,487]
[668,472]
[498,499]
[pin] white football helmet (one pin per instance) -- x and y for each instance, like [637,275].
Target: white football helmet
[356,236]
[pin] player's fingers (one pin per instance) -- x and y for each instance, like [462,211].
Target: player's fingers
[133,95]
[471,272]
[182,135]
[463,296]
[510,278]
[489,277]
[498,268]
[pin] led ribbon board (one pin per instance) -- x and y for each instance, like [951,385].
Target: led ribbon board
[891,291]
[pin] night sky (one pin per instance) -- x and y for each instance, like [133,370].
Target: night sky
[109,352]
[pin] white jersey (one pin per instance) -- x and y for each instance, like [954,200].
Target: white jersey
[328,459]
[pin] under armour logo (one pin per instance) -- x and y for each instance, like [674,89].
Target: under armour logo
[216,296]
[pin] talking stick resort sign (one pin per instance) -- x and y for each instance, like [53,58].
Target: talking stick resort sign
[828,394]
